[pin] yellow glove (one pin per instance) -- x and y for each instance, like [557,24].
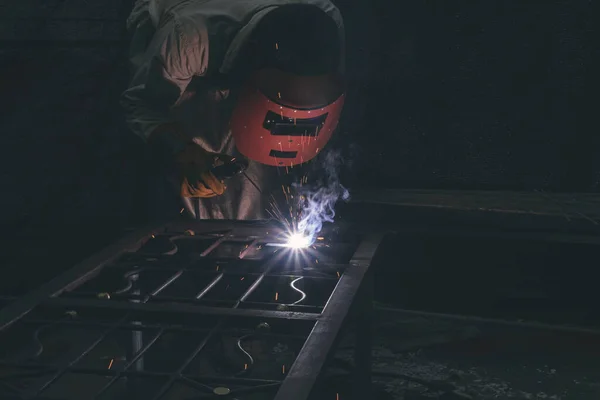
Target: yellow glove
[195,166]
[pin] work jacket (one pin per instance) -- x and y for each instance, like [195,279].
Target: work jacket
[180,50]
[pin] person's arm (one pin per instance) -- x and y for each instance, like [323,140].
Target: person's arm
[177,53]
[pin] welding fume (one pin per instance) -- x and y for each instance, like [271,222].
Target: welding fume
[230,97]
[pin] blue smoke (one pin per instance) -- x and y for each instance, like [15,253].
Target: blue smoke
[319,203]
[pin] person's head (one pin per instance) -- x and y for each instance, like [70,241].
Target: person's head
[297,39]
[291,103]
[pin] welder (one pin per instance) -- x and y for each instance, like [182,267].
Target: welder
[215,81]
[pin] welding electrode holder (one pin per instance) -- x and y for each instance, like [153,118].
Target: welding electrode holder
[230,169]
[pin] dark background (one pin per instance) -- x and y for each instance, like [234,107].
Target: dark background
[485,95]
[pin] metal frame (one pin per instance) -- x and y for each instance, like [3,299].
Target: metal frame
[352,290]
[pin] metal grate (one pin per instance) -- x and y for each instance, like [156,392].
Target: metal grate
[190,310]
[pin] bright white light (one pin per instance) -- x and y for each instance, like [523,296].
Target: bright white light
[298,241]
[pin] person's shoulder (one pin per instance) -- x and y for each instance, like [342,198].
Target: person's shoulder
[184,50]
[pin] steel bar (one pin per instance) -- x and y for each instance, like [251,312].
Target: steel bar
[197,385]
[213,246]
[485,233]
[181,309]
[209,287]
[166,283]
[576,205]
[165,388]
[63,370]
[364,339]
[74,276]
[248,248]
[209,336]
[491,321]
[134,360]
[303,374]
[142,374]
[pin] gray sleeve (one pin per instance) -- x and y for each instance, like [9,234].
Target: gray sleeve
[177,53]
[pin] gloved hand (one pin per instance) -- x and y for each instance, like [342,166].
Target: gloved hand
[195,166]
[193,163]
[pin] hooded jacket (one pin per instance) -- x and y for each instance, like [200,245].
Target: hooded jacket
[179,49]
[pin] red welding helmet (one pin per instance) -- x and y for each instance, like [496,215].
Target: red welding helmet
[282,119]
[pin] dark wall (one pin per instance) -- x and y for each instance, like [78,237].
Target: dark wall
[66,165]
[64,155]
[475,95]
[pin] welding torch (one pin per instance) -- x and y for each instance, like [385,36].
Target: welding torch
[236,166]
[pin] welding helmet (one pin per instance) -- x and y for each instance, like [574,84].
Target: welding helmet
[290,105]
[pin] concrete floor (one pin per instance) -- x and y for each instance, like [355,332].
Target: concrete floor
[485,362]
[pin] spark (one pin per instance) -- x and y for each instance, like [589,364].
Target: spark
[283,369]
[284,193]
[110,364]
[303,212]
[181,212]
[276,296]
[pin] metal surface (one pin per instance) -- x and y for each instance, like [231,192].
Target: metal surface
[570,206]
[178,310]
